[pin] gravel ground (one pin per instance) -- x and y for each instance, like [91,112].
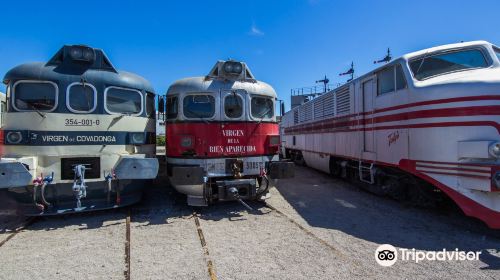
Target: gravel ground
[357,222]
[323,228]
[87,246]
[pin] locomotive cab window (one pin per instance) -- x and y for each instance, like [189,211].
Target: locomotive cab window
[81,98]
[35,96]
[400,78]
[429,66]
[390,79]
[262,107]
[123,101]
[385,80]
[172,107]
[150,104]
[497,52]
[233,106]
[199,106]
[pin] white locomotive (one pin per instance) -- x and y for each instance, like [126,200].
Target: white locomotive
[425,123]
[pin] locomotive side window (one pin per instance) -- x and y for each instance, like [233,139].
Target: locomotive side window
[35,96]
[432,65]
[390,79]
[400,78]
[123,101]
[150,104]
[385,80]
[262,107]
[81,98]
[199,106]
[172,107]
[233,106]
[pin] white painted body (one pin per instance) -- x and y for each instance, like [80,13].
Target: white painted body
[411,129]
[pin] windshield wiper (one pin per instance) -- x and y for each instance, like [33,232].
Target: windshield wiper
[35,109]
[82,80]
[264,114]
[421,63]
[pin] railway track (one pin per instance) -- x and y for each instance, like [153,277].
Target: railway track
[208,259]
[126,273]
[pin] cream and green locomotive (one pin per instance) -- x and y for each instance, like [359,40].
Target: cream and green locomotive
[78,135]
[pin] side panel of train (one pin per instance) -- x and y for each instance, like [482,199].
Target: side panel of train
[388,123]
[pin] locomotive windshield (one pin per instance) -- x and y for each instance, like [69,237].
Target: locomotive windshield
[262,107]
[35,96]
[82,98]
[233,106]
[199,106]
[432,65]
[123,101]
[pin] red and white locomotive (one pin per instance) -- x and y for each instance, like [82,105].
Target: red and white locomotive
[425,123]
[223,136]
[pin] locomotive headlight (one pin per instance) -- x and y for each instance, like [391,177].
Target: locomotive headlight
[233,67]
[76,53]
[14,137]
[494,149]
[82,53]
[137,138]
[274,140]
[186,142]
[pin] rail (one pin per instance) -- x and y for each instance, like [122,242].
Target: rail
[312,90]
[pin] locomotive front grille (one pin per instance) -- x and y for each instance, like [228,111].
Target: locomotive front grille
[92,167]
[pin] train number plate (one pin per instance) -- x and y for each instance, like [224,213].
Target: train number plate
[81,122]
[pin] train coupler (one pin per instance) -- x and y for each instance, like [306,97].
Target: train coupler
[79,187]
[237,189]
[234,192]
[109,180]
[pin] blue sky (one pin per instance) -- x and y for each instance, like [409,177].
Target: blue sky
[288,44]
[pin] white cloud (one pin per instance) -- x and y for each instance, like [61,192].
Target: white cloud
[254,31]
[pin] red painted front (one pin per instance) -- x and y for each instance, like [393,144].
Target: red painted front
[210,140]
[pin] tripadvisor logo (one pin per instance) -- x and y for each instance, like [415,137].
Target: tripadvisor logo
[387,255]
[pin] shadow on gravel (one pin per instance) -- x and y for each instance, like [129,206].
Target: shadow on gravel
[232,210]
[159,204]
[157,201]
[325,202]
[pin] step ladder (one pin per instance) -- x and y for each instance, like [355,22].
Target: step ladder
[364,171]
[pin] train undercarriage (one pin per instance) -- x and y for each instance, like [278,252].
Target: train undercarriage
[383,181]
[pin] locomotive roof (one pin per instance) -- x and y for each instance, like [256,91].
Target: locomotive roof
[217,79]
[409,56]
[201,84]
[60,67]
